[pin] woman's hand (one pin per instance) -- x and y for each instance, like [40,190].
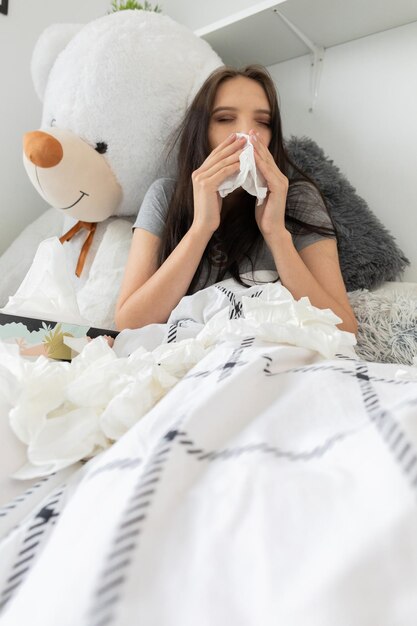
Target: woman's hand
[221,163]
[270,215]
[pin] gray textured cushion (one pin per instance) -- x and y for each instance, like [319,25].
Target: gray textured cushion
[367,251]
[387,325]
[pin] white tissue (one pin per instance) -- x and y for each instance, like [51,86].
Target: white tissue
[248,177]
[66,412]
[276,317]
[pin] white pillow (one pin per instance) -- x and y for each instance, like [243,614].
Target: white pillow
[50,289]
[16,260]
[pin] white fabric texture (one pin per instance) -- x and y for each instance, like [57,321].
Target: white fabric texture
[49,45]
[52,291]
[16,260]
[248,177]
[66,412]
[270,485]
[47,291]
[250,484]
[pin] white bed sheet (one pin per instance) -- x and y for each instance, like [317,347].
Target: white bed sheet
[270,485]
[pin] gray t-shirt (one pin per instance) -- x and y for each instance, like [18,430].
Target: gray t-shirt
[303,202]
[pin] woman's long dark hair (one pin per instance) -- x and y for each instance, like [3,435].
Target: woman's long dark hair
[238,234]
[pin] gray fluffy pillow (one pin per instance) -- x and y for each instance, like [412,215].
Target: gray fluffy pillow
[367,251]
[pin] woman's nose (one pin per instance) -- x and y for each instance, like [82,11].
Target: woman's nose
[246,128]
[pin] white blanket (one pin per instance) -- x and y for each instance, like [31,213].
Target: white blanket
[271,485]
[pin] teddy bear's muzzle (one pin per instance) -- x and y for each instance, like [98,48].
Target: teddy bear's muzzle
[42,149]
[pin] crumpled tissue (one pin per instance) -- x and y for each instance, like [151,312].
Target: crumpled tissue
[277,317]
[67,412]
[248,177]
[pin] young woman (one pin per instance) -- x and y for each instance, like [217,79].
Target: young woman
[187,237]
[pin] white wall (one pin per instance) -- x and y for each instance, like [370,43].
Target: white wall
[365,119]
[20,109]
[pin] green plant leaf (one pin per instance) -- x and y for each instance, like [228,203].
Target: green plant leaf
[122,5]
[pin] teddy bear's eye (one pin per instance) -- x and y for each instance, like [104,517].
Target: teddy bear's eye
[101,147]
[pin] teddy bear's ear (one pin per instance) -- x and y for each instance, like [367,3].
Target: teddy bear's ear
[51,42]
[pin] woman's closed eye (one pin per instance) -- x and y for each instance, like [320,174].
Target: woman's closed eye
[224,119]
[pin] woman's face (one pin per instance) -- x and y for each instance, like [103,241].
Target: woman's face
[240,105]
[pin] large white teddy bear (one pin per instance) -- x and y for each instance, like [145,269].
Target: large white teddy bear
[113,92]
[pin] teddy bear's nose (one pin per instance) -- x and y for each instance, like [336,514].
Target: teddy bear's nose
[42,149]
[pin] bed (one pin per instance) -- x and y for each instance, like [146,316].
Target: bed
[269,484]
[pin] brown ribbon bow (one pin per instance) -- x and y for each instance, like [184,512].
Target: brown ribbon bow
[91,227]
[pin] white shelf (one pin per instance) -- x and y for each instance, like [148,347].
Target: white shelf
[258,34]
